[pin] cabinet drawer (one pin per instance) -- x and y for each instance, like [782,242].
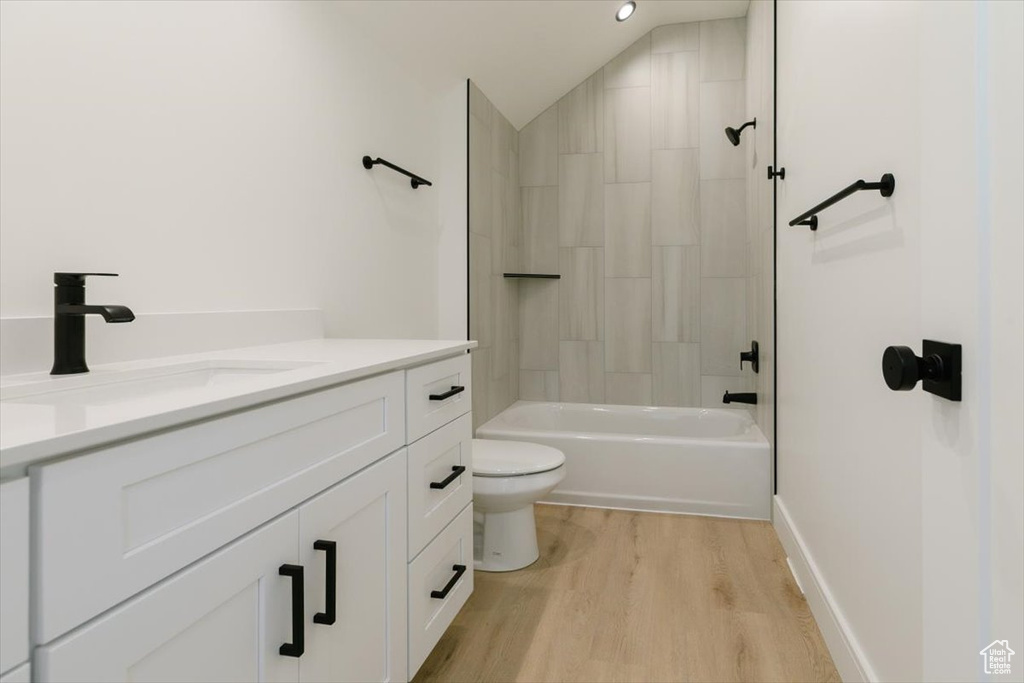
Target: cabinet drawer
[13,573]
[115,521]
[222,619]
[425,414]
[432,460]
[430,573]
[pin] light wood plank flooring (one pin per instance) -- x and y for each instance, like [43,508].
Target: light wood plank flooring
[634,596]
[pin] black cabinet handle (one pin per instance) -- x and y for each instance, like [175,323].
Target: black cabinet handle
[448,394]
[331,586]
[456,471]
[298,644]
[459,569]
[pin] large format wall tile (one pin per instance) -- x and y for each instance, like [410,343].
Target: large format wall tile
[581,200]
[627,135]
[723,324]
[539,385]
[675,197]
[479,177]
[676,374]
[501,143]
[581,305]
[632,67]
[538,150]
[479,105]
[581,117]
[581,371]
[675,38]
[723,233]
[676,303]
[627,324]
[540,230]
[627,388]
[495,229]
[480,311]
[675,100]
[538,325]
[721,106]
[723,51]
[627,230]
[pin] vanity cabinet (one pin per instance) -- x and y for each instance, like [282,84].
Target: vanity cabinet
[226,617]
[323,537]
[222,619]
[14,573]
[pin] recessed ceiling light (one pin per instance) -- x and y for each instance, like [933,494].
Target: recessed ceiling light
[626,11]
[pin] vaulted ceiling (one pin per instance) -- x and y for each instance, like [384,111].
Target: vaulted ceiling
[523,54]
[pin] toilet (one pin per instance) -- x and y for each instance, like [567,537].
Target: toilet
[508,478]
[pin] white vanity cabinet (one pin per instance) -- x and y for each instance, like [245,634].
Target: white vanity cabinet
[14,578]
[359,633]
[222,619]
[279,542]
[226,617]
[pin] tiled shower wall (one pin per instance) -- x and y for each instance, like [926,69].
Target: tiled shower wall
[631,191]
[494,237]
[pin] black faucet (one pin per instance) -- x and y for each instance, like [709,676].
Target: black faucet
[69,311]
[750,398]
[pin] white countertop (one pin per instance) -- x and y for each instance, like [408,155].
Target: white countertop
[31,433]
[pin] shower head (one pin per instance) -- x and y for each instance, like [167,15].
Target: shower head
[734,133]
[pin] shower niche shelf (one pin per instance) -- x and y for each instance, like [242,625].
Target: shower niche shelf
[533,276]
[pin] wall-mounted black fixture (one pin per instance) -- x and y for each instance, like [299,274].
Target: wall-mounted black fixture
[886,186]
[939,367]
[743,397]
[534,276]
[780,174]
[734,133]
[416,180]
[69,311]
[751,356]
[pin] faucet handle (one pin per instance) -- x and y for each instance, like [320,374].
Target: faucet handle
[76,279]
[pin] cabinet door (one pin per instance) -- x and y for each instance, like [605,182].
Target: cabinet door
[360,526]
[223,619]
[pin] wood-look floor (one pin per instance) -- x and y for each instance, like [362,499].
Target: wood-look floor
[634,596]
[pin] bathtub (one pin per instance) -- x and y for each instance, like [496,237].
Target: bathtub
[690,460]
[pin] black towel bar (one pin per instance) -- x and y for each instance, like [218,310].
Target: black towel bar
[885,186]
[416,180]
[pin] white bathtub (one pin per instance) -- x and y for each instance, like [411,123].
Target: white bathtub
[692,460]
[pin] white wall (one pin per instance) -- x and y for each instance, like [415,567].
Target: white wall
[906,508]
[210,154]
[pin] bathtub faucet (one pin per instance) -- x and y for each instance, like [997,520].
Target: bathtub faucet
[750,398]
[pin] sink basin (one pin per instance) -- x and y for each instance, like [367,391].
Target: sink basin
[114,387]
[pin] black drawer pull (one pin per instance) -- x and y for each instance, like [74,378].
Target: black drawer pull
[459,570]
[448,394]
[456,471]
[331,586]
[298,644]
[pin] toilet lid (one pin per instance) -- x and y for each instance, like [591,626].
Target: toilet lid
[497,458]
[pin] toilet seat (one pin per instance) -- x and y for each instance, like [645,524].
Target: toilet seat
[499,458]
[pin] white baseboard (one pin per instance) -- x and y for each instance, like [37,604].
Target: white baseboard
[847,654]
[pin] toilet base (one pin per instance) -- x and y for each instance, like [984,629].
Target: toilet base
[505,541]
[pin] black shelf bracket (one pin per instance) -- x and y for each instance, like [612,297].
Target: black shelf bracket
[886,186]
[416,180]
[533,276]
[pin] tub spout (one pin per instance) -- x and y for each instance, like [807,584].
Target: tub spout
[750,398]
